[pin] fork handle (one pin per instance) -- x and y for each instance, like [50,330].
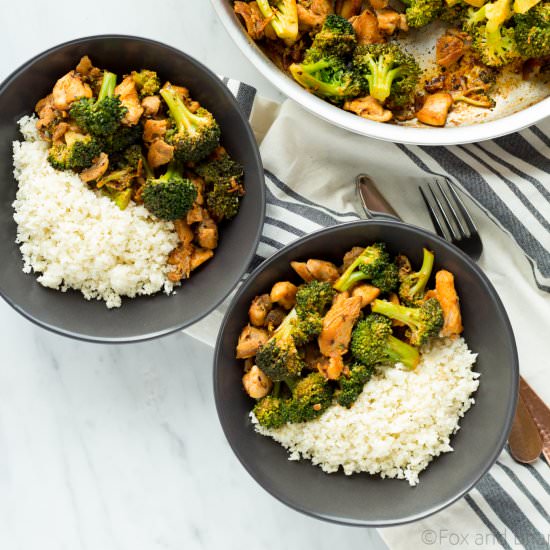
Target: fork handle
[374,203]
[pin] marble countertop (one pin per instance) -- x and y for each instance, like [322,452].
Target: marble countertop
[119,447]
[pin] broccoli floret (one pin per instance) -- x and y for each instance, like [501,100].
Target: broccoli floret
[195,135]
[351,385]
[312,302]
[129,158]
[220,167]
[101,116]
[224,198]
[280,358]
[118,180]
[327,76]
[411,289]
[311,397]
[122,138]
[455,13]
[336,37]
[389,71]
[423,322]
[422,12]
[271,412]
[373,264]
[283,18]
[170,196]
[372,343]
[77,153]
[532,31]
[147,82]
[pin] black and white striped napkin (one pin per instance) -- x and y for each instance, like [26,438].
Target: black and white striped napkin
[310,168]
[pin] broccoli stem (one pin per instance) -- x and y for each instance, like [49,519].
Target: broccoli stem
[350,277]
[107,86]
[171,171]
[398,312]
[401,352]
[185,119]
[424,273]
[381,80]
[304,74]
[146,168]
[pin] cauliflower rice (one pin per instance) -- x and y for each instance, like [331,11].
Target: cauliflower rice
[78,239]
[401,421]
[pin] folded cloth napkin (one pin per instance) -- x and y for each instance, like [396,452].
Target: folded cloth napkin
[310,167]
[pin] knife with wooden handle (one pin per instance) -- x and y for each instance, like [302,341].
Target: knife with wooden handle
[540,413]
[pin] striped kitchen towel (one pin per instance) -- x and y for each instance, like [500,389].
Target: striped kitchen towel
[310,167]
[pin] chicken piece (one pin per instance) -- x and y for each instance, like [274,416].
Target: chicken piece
[59,132]
[159,153]
[248,364]
[68,89]
[253,19]
[312,357]
[196,214]
[128,94]
[185,233]
[368,107]
[259,309]
[379,4]
[448,50]
[450,303]
[435,109]
[84,66]
[312,13]
[367,293]
[46,112]
[250,341]
[200,256]
[366,28]
[337,326]
[274,318]
[322,270]
[302,270]
[350,256]
[348,8]
[284,293]
[96,170]
[388,20]
[207,233]
[180,258]
[256,383]
[151,105]
[340,296]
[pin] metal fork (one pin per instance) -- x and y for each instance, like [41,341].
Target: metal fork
[450,217]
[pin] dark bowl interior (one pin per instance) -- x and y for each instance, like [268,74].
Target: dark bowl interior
[143,317]
[362,499]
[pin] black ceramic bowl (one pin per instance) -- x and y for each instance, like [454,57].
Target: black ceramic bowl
[362,499]
[143,317]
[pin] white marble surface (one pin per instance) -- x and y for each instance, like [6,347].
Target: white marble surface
[119,447]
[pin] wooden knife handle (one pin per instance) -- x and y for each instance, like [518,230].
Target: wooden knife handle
[540,413]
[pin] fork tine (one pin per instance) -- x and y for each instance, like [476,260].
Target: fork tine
[439,224]
[455,234]
[451,209]
[462,207]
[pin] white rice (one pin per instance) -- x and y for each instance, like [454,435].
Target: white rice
[78,239]
[401,421]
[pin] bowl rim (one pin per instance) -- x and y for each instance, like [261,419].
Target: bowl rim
[257,160]
[452,135]
[482,278]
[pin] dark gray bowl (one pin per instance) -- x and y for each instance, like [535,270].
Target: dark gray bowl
[143,317]
[362,499]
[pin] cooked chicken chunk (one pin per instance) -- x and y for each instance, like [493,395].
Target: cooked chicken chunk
[67,89]
[379,4]
[435,109]
[200,256]
[337,326]
[350,256]
[448,50]
[284,293]
[253,19]
[207,233]
[256,383]
[302,270]
[348,8]
[159,153]
[367,293]
[46,112]
[312,13]
[450,304]
[185,233]
[366,28]
[180,258]
[96,170]
[196,214]
[59,132]
[128,94]
[322,270]
[259,309]
[250,341]
[151,105]
[368,107]
[389,21]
